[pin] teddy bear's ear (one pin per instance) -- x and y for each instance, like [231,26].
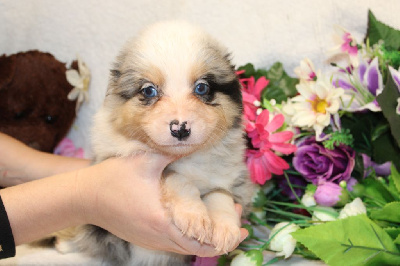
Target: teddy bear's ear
[7,69]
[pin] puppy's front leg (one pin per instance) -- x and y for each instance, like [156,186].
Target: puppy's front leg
[226,223]
[182,199]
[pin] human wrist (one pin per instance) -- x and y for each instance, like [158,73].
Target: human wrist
[85,200]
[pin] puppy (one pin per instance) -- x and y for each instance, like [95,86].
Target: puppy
[173,90]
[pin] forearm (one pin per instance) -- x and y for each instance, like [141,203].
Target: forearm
[38,208]
[20,163]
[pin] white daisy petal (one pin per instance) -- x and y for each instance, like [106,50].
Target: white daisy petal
[73,77]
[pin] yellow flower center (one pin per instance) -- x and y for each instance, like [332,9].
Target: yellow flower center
[319,105]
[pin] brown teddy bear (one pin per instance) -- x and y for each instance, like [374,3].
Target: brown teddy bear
[34,107]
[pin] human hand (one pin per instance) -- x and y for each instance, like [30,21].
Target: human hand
[123,195]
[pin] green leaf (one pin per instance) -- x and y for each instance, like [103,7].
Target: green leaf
[380,31]
[395,177]
[260,199]
[393,232]
[390,212]
[355,240]
[280,79]
[388,101]
[385,149]
[249,70]
[397,240]
[273,92]
[377,191]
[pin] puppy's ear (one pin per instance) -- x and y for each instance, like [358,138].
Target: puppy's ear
[7,69]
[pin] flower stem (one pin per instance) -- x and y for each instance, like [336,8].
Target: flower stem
[292,189]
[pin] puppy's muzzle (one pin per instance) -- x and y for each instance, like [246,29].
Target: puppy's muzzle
[181,131]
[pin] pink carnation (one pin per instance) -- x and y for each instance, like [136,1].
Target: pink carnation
[262,162]
[251,93]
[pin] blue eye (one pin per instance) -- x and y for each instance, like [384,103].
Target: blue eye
[150,92]
[201,89]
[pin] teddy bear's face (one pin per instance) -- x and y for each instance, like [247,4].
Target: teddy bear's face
[33,99]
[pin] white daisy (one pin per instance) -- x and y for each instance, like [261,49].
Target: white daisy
[80,80]
[314,106]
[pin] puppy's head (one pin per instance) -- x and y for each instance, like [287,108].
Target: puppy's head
[174,89]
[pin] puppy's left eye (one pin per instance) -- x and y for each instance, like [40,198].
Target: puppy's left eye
[201,89]
[149,91]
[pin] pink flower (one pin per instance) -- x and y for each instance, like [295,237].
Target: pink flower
[205,261]
[327,194]
[251,93]
[262,162]
[67,148]
[349,45]
[345,44]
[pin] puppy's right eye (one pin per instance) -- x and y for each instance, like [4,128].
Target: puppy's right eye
[149,91]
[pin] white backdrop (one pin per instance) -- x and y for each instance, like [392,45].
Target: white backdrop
[258,31]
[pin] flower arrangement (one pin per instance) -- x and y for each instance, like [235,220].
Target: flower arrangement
[325,150]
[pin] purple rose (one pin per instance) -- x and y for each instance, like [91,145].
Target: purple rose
[327,194]
[317,163]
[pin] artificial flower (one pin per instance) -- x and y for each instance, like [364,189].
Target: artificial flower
[317,163]
[205,261]
[283,242]
[324,214]
[251,93]
[250,258]
[380,169]
[345,44]
[306,70]
[353,208]
[315,105]
[396,77]
[262,161]
[362,85]
[80,80]
[327,194]
[67,148]
[308,199]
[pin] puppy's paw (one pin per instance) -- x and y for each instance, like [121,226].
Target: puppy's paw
[226,234]
[193,220]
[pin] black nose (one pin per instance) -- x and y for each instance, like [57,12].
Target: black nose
[179,131]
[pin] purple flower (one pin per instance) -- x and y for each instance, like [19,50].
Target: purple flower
[317,163]
[327,194]
[361,86]
[380,169]
[396,77]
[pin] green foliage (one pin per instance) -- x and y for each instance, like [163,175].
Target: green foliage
[260,199]
[379,31]
[372,136]
[395,175]
[388,101]
[339,137]
[377,192]
[281,85]
[355,240]
[390,212]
